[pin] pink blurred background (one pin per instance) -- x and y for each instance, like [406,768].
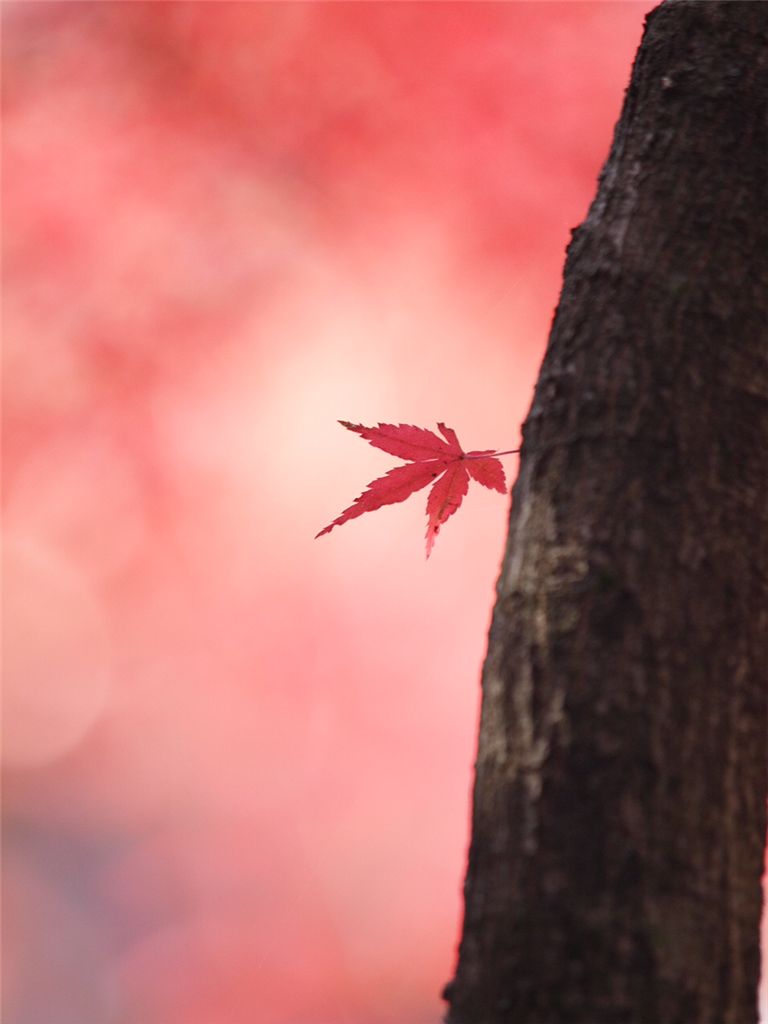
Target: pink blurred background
[238,760]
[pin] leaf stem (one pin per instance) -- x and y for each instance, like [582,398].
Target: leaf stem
[492,455]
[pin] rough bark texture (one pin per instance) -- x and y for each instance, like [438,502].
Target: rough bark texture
[619,803]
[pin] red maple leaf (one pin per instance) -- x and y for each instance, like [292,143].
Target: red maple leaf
[431,459]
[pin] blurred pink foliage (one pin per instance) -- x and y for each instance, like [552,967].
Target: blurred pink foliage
[237,763]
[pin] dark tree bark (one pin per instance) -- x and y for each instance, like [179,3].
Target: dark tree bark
[619,802]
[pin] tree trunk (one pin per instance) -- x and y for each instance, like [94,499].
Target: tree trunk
[619,802]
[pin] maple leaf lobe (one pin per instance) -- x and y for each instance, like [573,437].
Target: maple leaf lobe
[396,485]
[450,437]
[487,471]
[407,442]
[445,498]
